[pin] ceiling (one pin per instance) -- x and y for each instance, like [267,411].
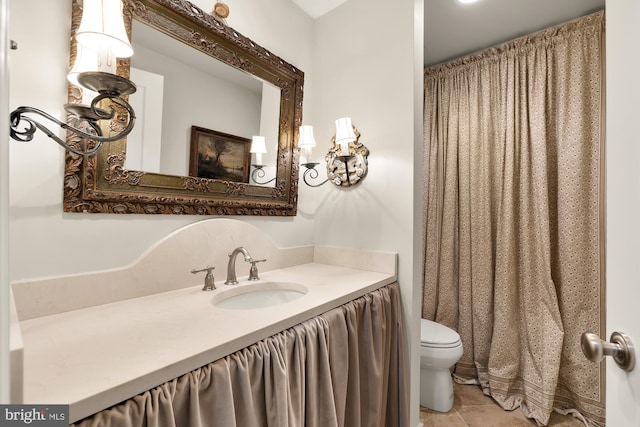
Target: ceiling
[316,8]
[453,29]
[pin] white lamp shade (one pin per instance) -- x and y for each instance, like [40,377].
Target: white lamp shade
[344,134]
[258,145]
[306,139]
[102,25]
[86,60]
[344,131]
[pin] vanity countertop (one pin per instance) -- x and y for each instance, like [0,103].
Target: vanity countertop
[95,357]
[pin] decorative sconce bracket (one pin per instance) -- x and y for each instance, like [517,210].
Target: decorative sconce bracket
[346,161]
[349,170]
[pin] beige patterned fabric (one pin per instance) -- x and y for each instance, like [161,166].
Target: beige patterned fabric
[514,223]
[345,368]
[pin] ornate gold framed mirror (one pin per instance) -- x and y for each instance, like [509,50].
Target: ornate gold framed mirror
[105,183]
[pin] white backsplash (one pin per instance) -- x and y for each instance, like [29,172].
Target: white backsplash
[164,267]
[167,266]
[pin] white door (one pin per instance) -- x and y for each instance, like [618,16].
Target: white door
[623,202]
[4,203]
[144,143]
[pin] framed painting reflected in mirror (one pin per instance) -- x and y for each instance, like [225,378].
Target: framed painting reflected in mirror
[218,155]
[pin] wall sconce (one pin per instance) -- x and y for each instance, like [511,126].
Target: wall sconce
[346,160]
[101,37]
[258,147]
[306,142]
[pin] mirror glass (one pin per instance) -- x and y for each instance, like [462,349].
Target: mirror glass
[191,88]
[204,91]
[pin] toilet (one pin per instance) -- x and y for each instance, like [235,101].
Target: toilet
[440,349]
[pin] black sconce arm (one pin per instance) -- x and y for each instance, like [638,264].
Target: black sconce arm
[312,173]
[257,173]
[89,114]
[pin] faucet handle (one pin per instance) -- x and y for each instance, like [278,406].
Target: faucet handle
[209,280]
[253,271]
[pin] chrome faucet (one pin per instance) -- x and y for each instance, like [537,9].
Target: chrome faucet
[231,267]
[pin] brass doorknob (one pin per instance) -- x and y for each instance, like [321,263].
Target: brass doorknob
[620,348]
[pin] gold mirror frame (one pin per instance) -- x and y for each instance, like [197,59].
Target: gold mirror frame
[101,184]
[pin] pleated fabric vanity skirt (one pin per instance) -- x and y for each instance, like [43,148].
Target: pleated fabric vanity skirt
[346,367]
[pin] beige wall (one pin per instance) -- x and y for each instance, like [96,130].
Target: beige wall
[364,68]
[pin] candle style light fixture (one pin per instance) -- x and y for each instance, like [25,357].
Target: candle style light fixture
[259,147]
[347,159]
[101,38]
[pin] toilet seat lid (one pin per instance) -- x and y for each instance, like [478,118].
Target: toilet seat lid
[434,334]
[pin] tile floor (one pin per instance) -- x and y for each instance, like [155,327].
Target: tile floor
[471,408]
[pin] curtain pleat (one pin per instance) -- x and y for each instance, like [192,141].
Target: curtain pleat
[345,368]
[513,227]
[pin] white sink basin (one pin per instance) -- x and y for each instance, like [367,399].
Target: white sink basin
[258,295]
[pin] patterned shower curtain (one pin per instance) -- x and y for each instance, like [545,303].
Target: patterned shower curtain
[514,216]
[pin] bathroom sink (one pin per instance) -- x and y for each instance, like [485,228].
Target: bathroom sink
[258,295]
